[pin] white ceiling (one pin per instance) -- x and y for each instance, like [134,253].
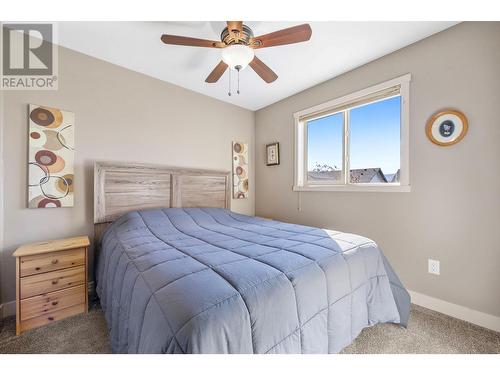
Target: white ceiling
[334,48]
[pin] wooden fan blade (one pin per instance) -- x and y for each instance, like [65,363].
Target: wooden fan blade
[217,72]
[235,25]
[263,70]
[193,42]
[295,34]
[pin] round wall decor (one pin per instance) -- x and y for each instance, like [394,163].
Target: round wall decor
[447,127]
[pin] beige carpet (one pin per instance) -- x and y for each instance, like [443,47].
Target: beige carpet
[428,332]
[79,334]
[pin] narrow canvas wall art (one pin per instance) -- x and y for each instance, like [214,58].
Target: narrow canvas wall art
[51,157]
[240,170]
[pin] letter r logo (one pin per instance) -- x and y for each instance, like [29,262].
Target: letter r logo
[27,49]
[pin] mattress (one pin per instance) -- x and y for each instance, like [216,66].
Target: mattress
[208,280]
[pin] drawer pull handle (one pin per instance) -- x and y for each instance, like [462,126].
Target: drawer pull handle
[54,282]
[50,318]
[55,261]
[55,303]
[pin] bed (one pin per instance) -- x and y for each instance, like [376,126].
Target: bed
[181,273]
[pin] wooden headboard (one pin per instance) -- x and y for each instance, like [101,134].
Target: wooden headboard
[123,187]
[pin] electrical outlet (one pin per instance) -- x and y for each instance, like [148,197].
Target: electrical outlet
[433,266]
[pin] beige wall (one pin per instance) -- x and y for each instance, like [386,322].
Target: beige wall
[120,115]
[453,211]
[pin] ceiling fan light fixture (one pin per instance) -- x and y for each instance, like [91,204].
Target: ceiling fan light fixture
[237,56]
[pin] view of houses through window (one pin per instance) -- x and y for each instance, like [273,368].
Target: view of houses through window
[373,144]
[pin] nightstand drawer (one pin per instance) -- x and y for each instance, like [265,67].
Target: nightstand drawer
[35,264]
[52,317]
[51,281]
[50,302]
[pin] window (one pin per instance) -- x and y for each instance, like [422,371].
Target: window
[355,143]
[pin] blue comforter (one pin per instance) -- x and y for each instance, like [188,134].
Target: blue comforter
[209,280]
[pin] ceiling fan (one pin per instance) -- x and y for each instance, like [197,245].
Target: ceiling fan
[238,44]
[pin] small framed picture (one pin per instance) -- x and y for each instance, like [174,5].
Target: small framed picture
[447,127]
[273,153]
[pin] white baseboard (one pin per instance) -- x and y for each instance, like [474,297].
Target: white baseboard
[460,312]
[9,308]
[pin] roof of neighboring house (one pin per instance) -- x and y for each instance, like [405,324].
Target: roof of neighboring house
[364,175]
[324,175]
[395,178]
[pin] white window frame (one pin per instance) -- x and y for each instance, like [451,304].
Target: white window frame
[301,182]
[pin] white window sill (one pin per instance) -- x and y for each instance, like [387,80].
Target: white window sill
[359,188]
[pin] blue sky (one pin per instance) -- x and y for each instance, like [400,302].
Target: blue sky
[374,137]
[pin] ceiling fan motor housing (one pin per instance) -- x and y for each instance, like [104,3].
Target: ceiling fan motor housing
[230,37]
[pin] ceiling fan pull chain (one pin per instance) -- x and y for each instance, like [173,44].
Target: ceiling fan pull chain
[238,90]
[229,90]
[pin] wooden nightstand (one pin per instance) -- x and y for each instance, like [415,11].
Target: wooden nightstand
[51,281]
